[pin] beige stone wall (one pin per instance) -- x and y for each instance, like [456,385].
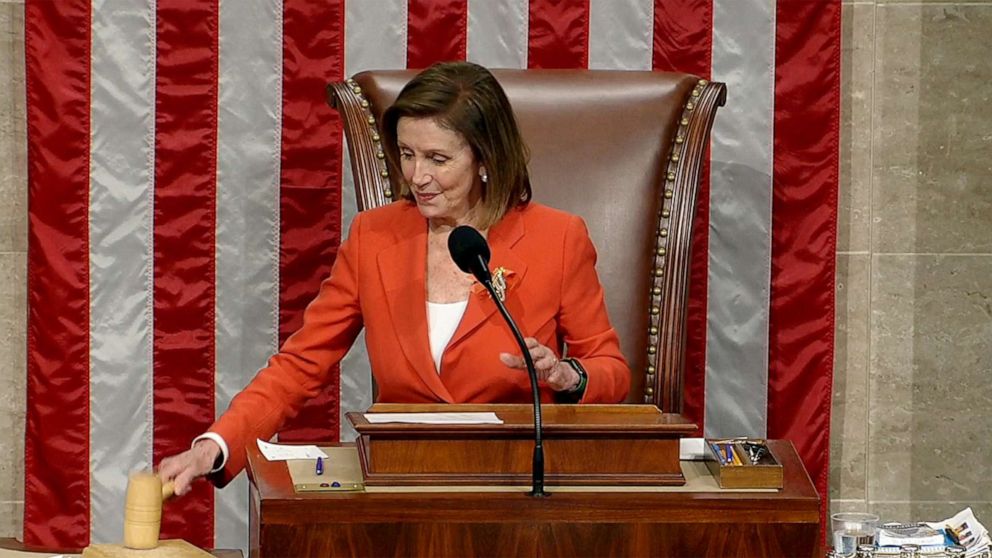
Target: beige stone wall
[13,266]
[914,264]
[912,389]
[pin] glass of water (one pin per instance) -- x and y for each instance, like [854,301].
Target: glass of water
[852,529]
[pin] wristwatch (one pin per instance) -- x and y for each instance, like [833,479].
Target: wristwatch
[580,388]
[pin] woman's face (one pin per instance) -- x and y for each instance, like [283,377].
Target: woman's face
[441,169]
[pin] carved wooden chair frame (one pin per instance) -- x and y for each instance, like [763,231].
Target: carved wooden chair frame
[663,375]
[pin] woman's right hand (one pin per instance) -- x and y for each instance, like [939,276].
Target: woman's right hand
[189,465]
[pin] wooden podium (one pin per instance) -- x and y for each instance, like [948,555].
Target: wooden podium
[462,520]
[583,445]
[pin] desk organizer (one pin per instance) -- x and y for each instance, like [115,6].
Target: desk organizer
[743,463]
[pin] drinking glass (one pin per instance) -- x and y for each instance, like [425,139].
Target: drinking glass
[852,529]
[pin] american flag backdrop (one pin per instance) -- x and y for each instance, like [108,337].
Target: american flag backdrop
[188,193]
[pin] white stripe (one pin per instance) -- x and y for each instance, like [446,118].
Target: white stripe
[740,220]
[374,35]
[621,34]
[497,33]
[375,38]
[248,166]
[122,107]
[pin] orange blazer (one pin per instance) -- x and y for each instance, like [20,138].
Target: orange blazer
[379,282]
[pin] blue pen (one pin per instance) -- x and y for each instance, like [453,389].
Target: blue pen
[718,450]
[320,466]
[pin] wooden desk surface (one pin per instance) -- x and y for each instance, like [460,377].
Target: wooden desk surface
[14,548]
[726,523]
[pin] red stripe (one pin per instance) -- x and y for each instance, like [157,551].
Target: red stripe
[801,328]
[183,237]
[436,31]
[683,36]
[558,34]
[310,204]
[683,42]
[56,449]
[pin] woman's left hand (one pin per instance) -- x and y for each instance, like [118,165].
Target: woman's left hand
[559,375]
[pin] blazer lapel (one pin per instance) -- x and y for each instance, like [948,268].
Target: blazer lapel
[502,239]
[402,269]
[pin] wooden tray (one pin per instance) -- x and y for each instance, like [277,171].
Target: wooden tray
[765,473]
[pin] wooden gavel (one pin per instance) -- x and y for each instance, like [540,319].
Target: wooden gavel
[143,509]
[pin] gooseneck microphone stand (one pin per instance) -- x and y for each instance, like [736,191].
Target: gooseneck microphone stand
[470,252]
[537,489]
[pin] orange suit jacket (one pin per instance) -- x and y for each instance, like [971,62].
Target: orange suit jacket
[378,282]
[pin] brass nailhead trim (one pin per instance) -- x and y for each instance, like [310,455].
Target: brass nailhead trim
[666,213]
[703,82]
[370,119]
[649,390]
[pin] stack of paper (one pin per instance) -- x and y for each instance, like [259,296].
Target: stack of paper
[969,533]
[962,529]
[279,452]
[912,533]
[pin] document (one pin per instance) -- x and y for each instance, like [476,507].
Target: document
[280,452]
[692,449]
[434,418]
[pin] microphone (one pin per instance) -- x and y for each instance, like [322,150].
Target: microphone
[470,253]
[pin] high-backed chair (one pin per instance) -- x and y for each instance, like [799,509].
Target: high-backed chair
[622,150]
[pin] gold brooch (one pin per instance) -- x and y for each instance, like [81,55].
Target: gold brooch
[499,282]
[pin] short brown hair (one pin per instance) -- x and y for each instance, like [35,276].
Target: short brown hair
[466,98]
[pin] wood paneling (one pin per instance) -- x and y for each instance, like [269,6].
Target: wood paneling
[724,523]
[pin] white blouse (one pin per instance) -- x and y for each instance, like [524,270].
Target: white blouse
[442,321]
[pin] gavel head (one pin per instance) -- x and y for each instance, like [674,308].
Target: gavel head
[143,509]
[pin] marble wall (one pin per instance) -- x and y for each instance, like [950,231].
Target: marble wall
[13,266]
[914,262]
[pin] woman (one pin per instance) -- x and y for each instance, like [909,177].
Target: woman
[433,334]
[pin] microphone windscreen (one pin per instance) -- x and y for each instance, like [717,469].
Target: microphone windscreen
[469,251]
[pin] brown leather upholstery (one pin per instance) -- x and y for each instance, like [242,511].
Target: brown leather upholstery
[622,150]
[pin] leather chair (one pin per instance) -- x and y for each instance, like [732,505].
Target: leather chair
[621,149]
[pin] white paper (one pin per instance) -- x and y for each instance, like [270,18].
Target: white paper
[434,418]
[279,452]
[692,449]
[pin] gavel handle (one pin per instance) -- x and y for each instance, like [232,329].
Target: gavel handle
[168,490]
